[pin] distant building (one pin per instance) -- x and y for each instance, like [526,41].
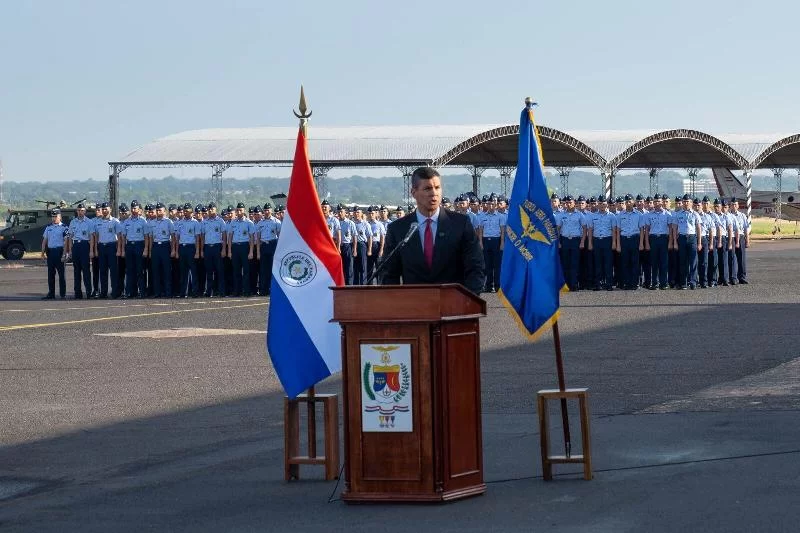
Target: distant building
[704,186]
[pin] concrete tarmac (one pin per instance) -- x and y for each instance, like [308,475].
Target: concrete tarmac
[166,415]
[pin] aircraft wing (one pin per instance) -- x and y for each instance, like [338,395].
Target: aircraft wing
[790,211]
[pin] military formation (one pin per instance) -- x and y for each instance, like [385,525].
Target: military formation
[192,251]
[158,251]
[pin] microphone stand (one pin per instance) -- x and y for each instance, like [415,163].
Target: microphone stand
[380,267]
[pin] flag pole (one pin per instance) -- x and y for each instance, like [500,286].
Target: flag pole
[562,387]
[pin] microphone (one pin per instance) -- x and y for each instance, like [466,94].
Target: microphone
[385,261]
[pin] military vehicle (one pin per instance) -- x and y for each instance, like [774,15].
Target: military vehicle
[24,228]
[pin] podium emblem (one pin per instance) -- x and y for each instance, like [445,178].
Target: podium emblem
[386,397]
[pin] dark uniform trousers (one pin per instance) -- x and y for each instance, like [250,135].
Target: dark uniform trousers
[702,262]
[81,267]
[241,268]
[722,262]
[630,261]
[215,275]
[360,264]
[54,265]
[161,264]
[134,277]
[491,261]
[586,269]
[255,273]
[711,272]
[372,261]
[659,260]
[603,262]
[645,267]
[618,277]
[200,267]
[188,270]
[265,268]
[147,275]
[672,266]
[122,272]
[95,273]
[570,260]
[687,260]
[733,265]
[175,271]
[227,269]
[741,260]
[108,267]
[346,251]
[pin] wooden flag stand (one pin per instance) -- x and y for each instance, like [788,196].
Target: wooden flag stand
[563,393]
[291,432]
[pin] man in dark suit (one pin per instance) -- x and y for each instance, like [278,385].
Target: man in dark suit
[443,249]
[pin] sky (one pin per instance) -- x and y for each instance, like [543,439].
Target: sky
[87,81]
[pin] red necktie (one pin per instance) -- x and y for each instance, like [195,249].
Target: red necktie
[427,248]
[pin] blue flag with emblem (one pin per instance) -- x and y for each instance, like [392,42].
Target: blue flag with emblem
[531,278]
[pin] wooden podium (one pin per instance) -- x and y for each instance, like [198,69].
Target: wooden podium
[411,392]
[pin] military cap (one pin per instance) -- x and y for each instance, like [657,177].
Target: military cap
[706,199]
[383,207]
[197,208]
[269,205]
[240,205]
[134,203]
[581,198]
[251,210]
[620,199]
[639,197]
[279,208]
[203,209]
[103,204]
[230,207]
[257,209]
[696,201]
[602,199]
[592,200]
[399,208]
[648,199]
[492,196]
[734,199]
[502,198]
[339,207]
[159,205]
[485,198]
[212,205]
[173,207]
[81,205]
[324,202]
[686,197]
[445,200]
[568,198]
[724,203]
[473,199]
[554,196]
[628,197]
[123,208]
[55,211]
[716,201]
[410,207]
[372,208]
[186,206]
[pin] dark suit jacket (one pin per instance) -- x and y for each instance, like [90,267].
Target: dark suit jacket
[457,255]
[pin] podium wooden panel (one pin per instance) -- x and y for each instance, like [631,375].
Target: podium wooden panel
[441,458]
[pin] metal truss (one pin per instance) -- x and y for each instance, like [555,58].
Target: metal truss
[669,135]
[505,178]
[783,143]
[564,173]
[476,172]
[692,172]
[216,181]
[320,172]
[113,186]
[406,171]
[778,173]
[653,180]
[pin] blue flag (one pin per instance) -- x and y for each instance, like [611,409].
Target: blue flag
[531,277]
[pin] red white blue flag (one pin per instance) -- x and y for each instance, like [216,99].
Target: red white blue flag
[304,345]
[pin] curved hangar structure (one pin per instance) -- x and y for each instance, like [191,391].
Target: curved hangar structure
[478,146]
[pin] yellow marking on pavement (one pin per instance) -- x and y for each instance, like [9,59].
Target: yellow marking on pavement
[124,306]
[106,318]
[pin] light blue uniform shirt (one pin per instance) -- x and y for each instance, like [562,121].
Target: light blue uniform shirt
[268,229]
[187,230]
[385,225]
[603,224]
[473,218]
[378,231]
[659,222]
[722,224]
[54,233]
[80,229]
[708,225]
[492,224]
[422,222]
[629,223]
[742,224]
[363,231]
[134,228]
[685,221]
[213,229]
[333,225]
[161,230]
[106,229]
[348,230]
[732,222]
[241,230]
[570,224]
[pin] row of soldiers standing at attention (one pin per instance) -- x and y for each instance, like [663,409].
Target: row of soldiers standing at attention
[646,242]
[164,252]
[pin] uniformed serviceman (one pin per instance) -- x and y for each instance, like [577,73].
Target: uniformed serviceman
[630,225]
[95,259]
[134,231]
[279,212]
[733,239]
[332,222]
[255,263]
[723,228]
[201,211]
[213,237]
[645,268]
[384,216]
[227,262]
[79,236]
[363,249]
[492,228]
[685,229]
[348,232]
[107,250]
[268,229]
[241,242]
[378,238]
[586,261]
[602,237]
[743,242]
[187,242]
[658,240]
[706,237]
[572,238]
[53,249]
[161,248]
